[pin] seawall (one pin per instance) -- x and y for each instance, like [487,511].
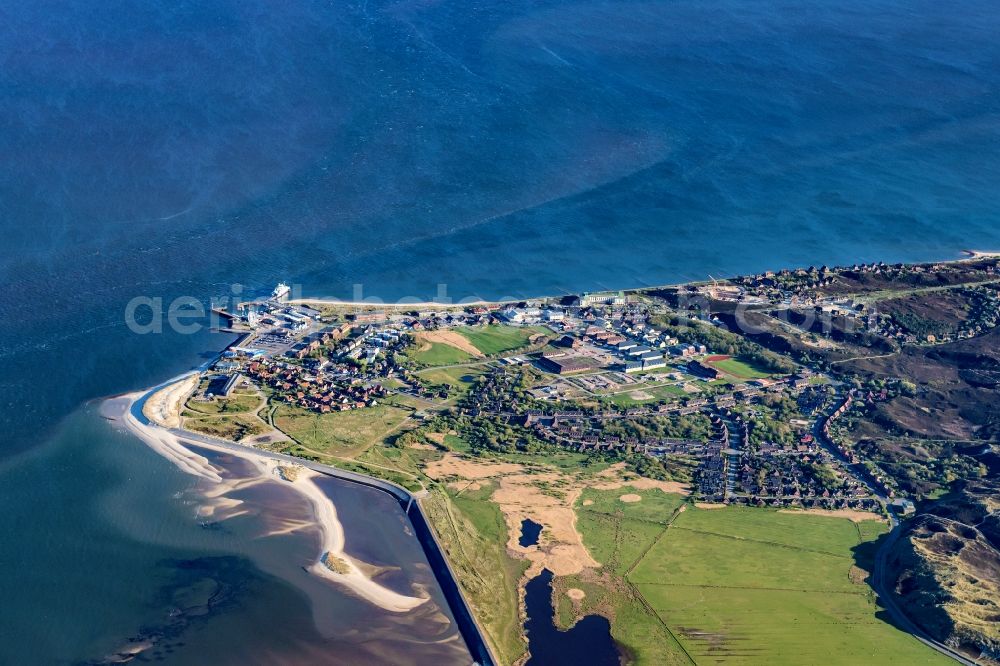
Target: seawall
[468,627]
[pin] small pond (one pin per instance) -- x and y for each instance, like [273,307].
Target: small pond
[529,533]
[588,642]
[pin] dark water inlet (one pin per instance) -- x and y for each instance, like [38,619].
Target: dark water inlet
[588,642]
[529,533]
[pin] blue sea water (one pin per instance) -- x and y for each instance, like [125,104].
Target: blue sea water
[498,148]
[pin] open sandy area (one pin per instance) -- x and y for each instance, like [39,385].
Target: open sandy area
[450,338]
[545,496]
[611,480]
[164,406]
[453,465]
[850,514]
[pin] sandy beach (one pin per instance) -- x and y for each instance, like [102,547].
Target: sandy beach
[417,305]
[160,411]
[981,254]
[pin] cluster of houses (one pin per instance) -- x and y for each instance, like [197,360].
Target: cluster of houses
[371,343]
[314,341]
[983,308]
[775,475]
[803,288]
[787,475]
[797,286]
[582,432]
[881,482]
[297,386]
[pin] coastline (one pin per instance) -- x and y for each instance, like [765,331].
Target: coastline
[965,256]
[128,410]
[157,424]
[131,411]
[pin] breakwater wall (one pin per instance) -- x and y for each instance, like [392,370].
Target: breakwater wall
[470,630]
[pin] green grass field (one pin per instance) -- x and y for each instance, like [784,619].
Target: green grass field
[473,533]
[439,354]
[752,586]
[233,427]
[736,585]
[740,369]
[493,340]
[618,534]
[456,443]
[341,434]
[654,393]
[459,378]
[616,542]
[655,506]
[238,402]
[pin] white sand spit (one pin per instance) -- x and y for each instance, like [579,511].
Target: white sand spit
[163,407]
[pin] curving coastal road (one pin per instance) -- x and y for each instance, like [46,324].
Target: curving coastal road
[879,583]
[878,576]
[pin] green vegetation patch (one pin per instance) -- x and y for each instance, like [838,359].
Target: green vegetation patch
[456,443]
[799,530]
[496,339]
[752,626]
[338,433]
[655,506]
[234,428]
[617,542]
[234,404]
[438,353]
[752,586]
[645,394]
[473,533]
[741,369]
[697,558]
[457,378]
[634,625]
[618,534]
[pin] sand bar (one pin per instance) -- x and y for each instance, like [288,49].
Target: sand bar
[163,405]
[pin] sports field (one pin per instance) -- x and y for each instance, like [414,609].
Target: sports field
[737,368]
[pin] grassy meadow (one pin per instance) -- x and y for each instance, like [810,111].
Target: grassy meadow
[338,434]
[473,533]
[437,353]
[491,340]
[751,586]
[739,369]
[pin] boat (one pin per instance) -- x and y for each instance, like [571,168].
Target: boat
[280,292]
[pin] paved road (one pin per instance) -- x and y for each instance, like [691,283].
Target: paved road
[879,583]
[878,577]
